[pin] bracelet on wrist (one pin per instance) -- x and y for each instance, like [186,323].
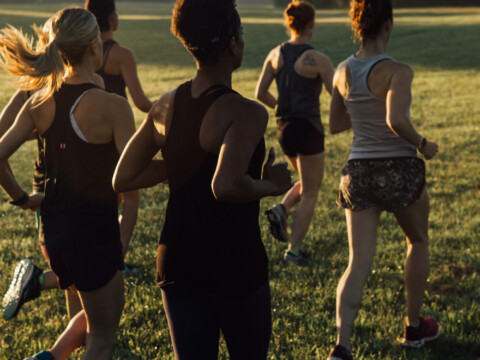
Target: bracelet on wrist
[421,143]
[20,201]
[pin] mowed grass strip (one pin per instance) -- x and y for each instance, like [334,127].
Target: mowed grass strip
[442,46]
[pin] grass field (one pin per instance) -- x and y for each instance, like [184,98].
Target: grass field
[442,45]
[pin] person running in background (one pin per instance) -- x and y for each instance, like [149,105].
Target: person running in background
[211,262]
[371,95]
[119,68]
[299,71]
[83,129]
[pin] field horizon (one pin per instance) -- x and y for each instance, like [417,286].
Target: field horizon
[442,47]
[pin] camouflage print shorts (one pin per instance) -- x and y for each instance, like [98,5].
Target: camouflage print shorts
[389,184]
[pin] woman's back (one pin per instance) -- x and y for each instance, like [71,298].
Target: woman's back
[111,68]
[299,94]
[365,92]
[200,232]
[80,206]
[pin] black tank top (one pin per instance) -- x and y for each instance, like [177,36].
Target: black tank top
[39,168]
[211,245]
[80,206]
[298,96]
[113,83]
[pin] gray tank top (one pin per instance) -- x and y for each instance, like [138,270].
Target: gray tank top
[372,138]
[298,96]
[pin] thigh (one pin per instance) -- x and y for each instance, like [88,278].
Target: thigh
[193,324]
[362,237]
[103,306]
[414,219]
[246,324]
[311,172]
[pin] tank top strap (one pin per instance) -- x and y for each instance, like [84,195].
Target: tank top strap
[107,47]
[291,52]
[360,69]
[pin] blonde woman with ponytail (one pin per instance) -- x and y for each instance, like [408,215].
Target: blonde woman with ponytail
[83,129]
[372,95]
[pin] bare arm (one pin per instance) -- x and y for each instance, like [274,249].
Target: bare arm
[137,168]
[128,219]
[397,104]
[231,182]
[121,115]
[262,92]
[128,69]
[326,71]
[14,137]
[339,117]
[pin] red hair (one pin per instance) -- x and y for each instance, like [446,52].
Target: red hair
[298,15]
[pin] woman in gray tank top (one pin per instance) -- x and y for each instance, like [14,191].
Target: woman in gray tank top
[371,95]
[299,71]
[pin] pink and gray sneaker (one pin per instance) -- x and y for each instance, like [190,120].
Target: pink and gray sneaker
[416,337]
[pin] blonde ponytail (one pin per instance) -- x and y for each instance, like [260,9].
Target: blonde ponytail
[61,45]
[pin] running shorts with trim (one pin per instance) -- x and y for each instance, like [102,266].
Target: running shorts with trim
[389,184]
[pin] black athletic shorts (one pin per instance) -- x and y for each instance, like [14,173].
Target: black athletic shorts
[297,136]
[389,184]
[87,268]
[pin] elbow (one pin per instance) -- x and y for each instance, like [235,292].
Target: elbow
[394,124]
[143,104]
[119,186]
[224,191]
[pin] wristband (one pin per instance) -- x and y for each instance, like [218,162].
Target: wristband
[21,201]
[421,143]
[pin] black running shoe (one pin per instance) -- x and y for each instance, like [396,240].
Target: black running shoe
[277,217]
[25,286]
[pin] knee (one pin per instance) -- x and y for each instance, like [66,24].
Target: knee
[418,240]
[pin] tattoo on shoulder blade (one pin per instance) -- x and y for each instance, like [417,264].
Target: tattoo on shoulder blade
[309,60]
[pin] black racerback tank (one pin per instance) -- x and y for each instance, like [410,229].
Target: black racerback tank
[113,83]
[211,245]
[80,206]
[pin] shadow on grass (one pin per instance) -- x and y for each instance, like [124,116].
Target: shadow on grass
[445,348]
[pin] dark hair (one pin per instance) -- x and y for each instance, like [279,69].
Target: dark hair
[368,16]
[298,15]
[102,10]
[205,27]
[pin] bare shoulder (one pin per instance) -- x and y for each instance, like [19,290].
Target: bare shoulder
[162,106]
[98,80]
[340,73]
[248,112]
[274,58]
[274,54]
[402,69]
[123,52]
[106,102]
[319,56]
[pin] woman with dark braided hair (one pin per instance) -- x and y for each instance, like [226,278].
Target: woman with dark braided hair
[299,71]
[211,262]
[371,95]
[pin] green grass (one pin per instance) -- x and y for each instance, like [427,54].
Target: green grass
[442,46]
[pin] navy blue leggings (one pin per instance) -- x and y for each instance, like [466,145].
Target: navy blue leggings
[195,320]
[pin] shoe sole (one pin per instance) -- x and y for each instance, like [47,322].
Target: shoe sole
[12,301]
[276,227]
[419,343]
